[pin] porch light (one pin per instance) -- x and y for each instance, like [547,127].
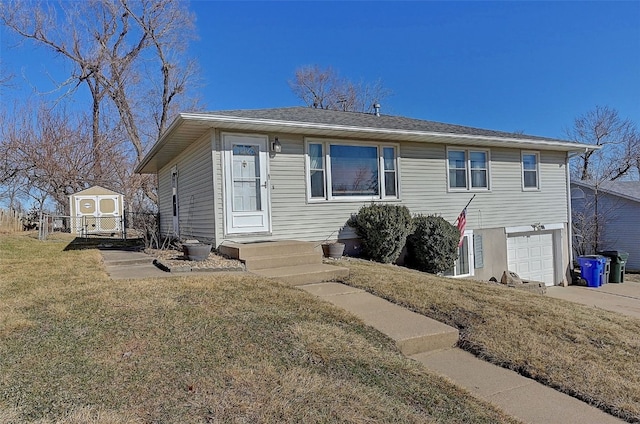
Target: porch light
[276,146]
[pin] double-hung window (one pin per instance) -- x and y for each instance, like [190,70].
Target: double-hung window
[338,170]
[530,174]
[468,169]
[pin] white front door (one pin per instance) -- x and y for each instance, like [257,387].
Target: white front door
[247,206]
[531,256]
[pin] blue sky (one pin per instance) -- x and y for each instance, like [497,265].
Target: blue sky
[512,66]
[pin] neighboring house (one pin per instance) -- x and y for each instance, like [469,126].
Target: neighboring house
[96,210]
[299,173]
[617,205]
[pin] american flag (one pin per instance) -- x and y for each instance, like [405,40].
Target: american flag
[461,223]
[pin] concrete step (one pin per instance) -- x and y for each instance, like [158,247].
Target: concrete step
[413,333]
[304,274]
[278,261]
[244,251]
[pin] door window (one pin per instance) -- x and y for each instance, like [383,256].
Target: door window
[246,178]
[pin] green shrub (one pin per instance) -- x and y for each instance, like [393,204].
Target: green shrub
[383,230]
[433,246]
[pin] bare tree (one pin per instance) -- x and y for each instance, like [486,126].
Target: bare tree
[618,157]
[129,52]
[619,142]
[325,89]
[45,155]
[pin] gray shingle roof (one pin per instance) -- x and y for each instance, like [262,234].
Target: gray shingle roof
[629,189]
[626,188]
[358,119]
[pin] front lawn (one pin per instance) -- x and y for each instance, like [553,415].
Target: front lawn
[588,353]
[77,347]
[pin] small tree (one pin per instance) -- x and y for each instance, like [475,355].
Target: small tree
[383,230]
[433,246]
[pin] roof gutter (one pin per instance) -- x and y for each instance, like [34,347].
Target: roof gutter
[158,145]
[386,131]
[258,124]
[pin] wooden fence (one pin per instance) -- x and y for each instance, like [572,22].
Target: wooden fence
[10,221]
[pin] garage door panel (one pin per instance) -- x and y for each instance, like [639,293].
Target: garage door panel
[535,252]
[531,257]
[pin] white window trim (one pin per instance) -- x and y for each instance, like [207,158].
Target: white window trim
[326,143]
[468,234]
[537,155]
[467,158]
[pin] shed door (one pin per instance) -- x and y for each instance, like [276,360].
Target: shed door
[98,214]
[247,205]
[531,257]
[108,213]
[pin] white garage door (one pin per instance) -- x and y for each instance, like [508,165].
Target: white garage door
[531,257]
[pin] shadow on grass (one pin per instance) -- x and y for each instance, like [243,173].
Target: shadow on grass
[80,243]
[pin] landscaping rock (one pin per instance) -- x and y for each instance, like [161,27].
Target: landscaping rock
[510,279]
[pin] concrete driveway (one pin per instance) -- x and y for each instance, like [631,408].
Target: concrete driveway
[623,298]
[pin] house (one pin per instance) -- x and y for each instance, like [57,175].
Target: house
[617,205]
[299,173]
[96,210]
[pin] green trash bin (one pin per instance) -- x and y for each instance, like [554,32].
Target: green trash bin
[618,264]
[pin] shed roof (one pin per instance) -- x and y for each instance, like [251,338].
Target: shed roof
[95,190]
[188,127]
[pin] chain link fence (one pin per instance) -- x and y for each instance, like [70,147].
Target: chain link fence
[133,225]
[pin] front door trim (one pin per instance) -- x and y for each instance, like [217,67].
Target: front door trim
[247,202]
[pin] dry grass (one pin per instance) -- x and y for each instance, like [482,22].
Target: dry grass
[590,354]
[78,347]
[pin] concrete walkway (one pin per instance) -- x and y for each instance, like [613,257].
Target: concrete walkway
[623,298]
[432,344]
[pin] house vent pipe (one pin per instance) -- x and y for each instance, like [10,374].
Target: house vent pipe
[376,108]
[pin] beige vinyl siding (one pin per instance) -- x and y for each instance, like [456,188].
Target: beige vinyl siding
[164,201]
[291,216]
[218,187]
[423,189]
[506,204]
[195,192]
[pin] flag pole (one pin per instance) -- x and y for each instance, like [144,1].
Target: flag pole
[469,202]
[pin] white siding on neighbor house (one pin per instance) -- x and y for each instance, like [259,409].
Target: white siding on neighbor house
[620,230]
[195,192]
[423,189]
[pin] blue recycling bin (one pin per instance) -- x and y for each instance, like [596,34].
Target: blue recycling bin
[592,269]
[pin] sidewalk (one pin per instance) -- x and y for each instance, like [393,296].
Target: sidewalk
[124,264]
[431,343]
[131,264]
